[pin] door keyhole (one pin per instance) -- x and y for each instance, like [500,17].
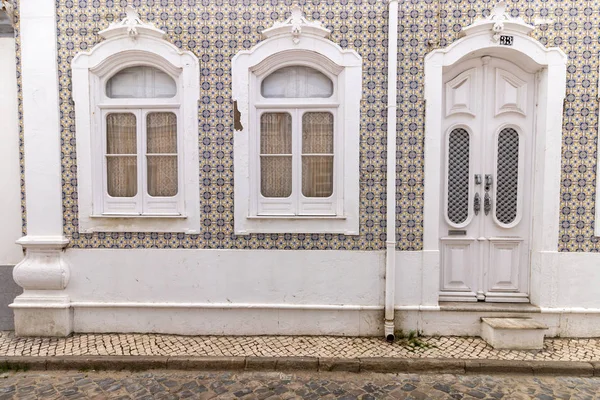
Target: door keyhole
[488,182]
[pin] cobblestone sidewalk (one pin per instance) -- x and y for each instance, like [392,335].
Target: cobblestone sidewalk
[290,346]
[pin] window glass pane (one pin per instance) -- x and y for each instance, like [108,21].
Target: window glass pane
[317,132]
[121,176]
[141,82]
[161,130]
[276,176]
[162,176]
[121,133]
[317,176]
[508,176]
[121,166]
[161,138]
[458,176]
[276,133]
[297,81]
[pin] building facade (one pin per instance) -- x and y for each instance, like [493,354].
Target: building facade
[345,167]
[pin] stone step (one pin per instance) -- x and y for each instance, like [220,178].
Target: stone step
[513,333]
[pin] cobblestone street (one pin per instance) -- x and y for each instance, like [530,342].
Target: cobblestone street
[169,385]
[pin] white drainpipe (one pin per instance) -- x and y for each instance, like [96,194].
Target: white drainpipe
[390,243]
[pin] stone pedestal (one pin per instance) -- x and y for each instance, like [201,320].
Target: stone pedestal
[43,309]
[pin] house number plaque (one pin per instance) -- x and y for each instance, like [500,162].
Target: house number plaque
[506,40]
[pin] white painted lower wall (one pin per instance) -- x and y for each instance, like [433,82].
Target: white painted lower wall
[10,200]
[233,292]
[256,292]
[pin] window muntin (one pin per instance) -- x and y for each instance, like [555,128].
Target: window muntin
[297,82]
[141,82]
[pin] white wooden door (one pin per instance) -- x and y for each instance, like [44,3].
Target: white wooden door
[487,163]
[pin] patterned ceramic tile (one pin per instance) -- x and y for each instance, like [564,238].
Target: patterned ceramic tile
[215,30]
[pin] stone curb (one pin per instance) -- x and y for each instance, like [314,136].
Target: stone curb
[290,364]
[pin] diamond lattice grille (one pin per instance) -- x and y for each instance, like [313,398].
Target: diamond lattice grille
[508,176]
[458,176]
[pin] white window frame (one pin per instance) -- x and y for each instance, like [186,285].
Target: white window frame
[132,43]
[296,204]
[297,42]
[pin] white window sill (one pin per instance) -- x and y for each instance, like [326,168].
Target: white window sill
[298,217]
[153,216]
[174,223]
[334,224]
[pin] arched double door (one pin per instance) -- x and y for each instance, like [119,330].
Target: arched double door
[489,110]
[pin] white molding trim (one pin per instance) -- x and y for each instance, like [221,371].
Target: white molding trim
[9,10]
[227,306]
[481,39]
[298,42]
[131,42]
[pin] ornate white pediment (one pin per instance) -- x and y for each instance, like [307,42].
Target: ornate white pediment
[9,9]
[499,22]
[131,26]
[296,25]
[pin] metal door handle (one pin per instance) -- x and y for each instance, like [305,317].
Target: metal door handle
[487,203]
[477,204]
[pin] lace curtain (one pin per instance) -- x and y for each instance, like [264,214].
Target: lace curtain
[276,154]
[161,153]
[121,151]
[317,154]
[140,82]
[296,82]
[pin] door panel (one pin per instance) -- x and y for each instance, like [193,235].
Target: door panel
[511,93]
[458,256]
[505,264]
[487,163]
[460,93]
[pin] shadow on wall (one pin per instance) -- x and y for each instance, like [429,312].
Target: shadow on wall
[8,291]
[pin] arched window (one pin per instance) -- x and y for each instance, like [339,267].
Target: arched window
[134,94]
[142,174]
[297,139]
[296,142]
